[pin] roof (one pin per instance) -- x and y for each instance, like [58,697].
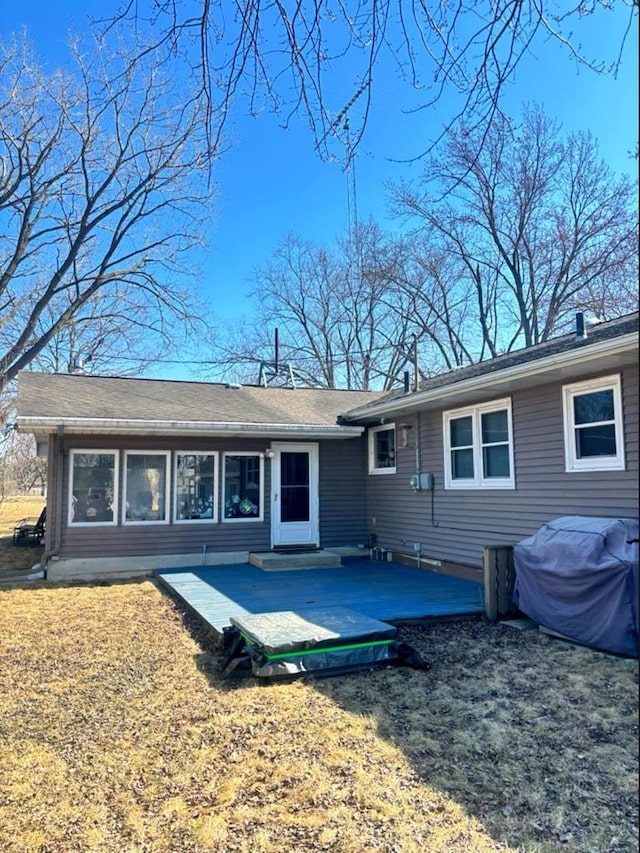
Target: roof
[82,403]
[606,345]
[114,405]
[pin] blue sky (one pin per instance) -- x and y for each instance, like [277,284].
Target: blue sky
[271,182]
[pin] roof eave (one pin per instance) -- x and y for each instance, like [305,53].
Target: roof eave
[111,426]
[490,382]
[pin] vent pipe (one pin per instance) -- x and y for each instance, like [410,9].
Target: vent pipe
[581,329]
[406,382]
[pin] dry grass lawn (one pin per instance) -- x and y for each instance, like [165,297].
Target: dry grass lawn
[12,511]
[117,736]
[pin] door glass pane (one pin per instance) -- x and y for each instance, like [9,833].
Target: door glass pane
[461,432]
[596,441]
[495,427]
[462,464]
[294,487]
[496,461]
[591,408]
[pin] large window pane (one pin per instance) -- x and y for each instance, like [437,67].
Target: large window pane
[495,427]
[462,464]
[495,461]
[594,407]
[242,487]
[195,486]
[596,441]
[146,481]
[385,444]
[92,488]
[461,432]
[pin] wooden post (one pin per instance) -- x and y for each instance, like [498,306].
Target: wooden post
[499,578]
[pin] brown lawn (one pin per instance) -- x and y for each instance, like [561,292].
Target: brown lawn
[12,511]
[118,736]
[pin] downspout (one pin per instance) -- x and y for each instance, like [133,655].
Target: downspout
[52,549]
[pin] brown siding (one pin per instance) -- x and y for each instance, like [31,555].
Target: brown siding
[342,516]
[466,520]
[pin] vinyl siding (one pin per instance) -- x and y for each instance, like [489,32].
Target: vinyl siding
[466,520]
[342,516]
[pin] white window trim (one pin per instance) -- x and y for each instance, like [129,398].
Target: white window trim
[372,456]
[167,490]
[76,451]
[216,471]
[478,481]
[595,463]
[253,519]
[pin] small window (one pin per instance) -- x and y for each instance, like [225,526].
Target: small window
[479,448]
[196,487]
[146,487]
[382,449]
[92,483]
[594,439]
[243,487]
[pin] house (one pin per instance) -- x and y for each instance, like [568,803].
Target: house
[150,473]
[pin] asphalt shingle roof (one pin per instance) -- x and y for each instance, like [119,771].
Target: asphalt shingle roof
[91,397]
[556,346]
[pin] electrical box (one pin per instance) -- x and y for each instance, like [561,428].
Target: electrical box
[421,482]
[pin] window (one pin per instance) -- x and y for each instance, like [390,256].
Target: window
[382,449]
[243,487]
[196,487]
[146,487]
[479,447]
[593,433]
[92,487]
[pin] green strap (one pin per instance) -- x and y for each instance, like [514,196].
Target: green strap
[305,652]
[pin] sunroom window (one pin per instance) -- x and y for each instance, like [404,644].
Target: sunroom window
[243,487]
[146,485]
[196,486]
[382,449]
[479,447]
[594,439]
[92,481]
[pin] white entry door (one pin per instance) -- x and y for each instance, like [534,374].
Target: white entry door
[294,494]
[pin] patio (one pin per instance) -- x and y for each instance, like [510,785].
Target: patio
[389,592]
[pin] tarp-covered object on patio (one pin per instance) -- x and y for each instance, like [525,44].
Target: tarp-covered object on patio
[578,576]
[318,642]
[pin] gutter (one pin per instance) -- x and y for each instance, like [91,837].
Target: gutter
[486,381]
[30,423]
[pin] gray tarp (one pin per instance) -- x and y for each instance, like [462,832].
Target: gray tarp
[578,576]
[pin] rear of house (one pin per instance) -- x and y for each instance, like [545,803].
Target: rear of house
[507,445]
[148,474]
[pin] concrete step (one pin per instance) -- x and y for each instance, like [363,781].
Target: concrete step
[272,562]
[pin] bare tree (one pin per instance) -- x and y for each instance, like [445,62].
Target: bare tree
[317,58]
[335,310]
[535,224]
[102,185]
